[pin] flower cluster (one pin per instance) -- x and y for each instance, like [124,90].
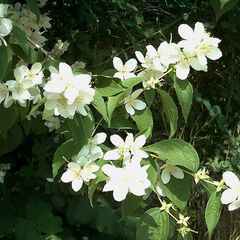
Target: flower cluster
[193,51]
[5,23]
[24,88]
[67,93]
[28,22]
[52,123]
[82,167]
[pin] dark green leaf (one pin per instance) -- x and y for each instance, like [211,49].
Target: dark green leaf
[33,6]
[153,225]
[213,212]
[184,93]
[177,152]
[170,110]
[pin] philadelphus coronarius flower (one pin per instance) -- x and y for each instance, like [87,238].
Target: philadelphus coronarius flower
[231,195]
[131,178]
[67,93]
[25,87]
[5,23]
[131,102]
[153,78]
[27,21]
[53,123]
[76,174]
[124,70]
[171,169]
[128,149]
[91,151]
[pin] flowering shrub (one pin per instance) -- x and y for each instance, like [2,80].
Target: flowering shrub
[103,124]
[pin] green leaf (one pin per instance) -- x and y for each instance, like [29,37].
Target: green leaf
[131,82]
[130,204]
[220,7]
[26,230]
[65,151]
[153,225]
[119,122]
[144,121]
[178,190]
[213,212]
[8,117]
[35,107]
[177,152]
[149,96]
[33,6]
[4,60]
[114,102]
[48,223]
[100,105]
[13,139]
[81,128]
[21,39]
[170,110]
[184,93]
[47,113]
[108,86]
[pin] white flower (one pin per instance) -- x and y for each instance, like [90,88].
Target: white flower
[2,175]
[131,178]
[146,61]
[93,143]
[231,195]
[188,59]
[124,70]
[53,123]
[77,174]
[67,93]
[3,92]
[199,41]
[153,78]
[131,102]
[34,74]
[5,23]
[121,151]
[171,169]
[135,147]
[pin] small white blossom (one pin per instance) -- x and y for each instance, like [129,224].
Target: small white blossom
[131,178]
[131,102]
[231,195]
[5,23]
[53,123]
[124,70]
[77,174]
[153,78]
[2,175]
[171,169]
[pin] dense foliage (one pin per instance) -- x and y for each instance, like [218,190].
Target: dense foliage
[126,154]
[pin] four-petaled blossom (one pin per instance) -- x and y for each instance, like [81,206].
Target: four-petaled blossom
[166,206]
[152,78]
[122,149]
[171,169]
[183,220]
[201,174]
[131,178]
[131,102]
[77,174]
[124,70]
[231,195]
[5,23]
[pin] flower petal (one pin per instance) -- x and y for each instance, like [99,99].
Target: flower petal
[214,54]
[112,155]
[131,64]
[228,196]
[127,75]
[178,173]
[140,57]
[67,176]
[139,105]
[120,192]
[129,109]
[77,184]
[117,63]
[116,140]
[185,31]
[182,70]
[100,138]
[231,179]
[36,67]
[65,71]
[165,176]
[234,205]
